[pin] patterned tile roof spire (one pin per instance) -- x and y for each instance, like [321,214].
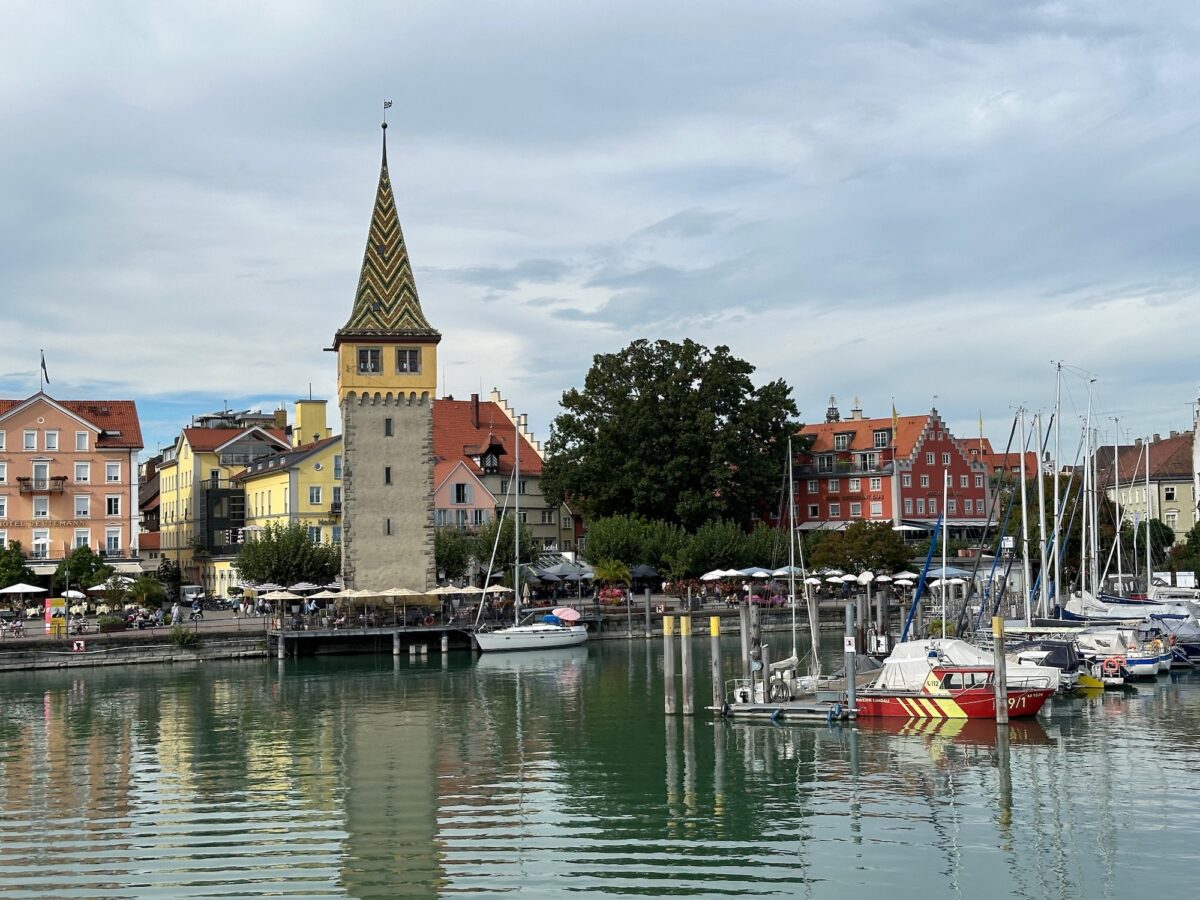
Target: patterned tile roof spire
[386,302]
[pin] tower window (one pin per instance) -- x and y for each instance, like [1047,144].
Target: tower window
[408,359]
[387,427]
[387,474]
[369,360]
[387,526]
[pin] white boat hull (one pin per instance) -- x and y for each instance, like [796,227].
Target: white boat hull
[531,637]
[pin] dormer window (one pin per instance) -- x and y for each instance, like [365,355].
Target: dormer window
[881,438]
[841,442]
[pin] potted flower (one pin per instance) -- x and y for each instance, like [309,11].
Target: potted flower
[110,623]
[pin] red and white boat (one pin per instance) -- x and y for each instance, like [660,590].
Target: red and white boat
[950,680]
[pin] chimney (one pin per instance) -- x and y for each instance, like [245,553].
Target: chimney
[1137,442]
[281,418]
[475,410]
[1157,438]
[1174,434]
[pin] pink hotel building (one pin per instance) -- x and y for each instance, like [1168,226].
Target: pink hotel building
[68,477]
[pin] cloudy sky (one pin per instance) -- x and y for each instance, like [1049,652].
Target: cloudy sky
[881,199]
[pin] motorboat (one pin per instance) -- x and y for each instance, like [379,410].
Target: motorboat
[1101,643]
[1058,654]
[952,679]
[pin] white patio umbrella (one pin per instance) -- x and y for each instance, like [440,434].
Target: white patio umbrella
[470,589]
[866,577]
[325,595]
[732,573]
[23,589]
[445,590]
[268,586]
[760,573]
[74,595]
[497,589]
[883,577]
[400,592]
[303,586]
[714,575]
[904,582]
[848,578]
[785,571]
[833,579]
[280,595]
[912,575]
[812,579]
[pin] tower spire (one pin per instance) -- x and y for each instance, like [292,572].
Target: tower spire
[386,302]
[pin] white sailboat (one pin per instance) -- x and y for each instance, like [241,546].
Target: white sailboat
[558,629]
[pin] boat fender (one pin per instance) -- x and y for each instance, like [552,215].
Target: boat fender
[724,710]
[835,711]
[429,620]
[775,715]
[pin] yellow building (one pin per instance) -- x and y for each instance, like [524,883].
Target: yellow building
[201,508]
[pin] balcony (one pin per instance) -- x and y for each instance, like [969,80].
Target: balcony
[335,508]
[54,485]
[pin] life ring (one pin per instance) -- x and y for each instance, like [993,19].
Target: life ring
[429,620]
[1111,665]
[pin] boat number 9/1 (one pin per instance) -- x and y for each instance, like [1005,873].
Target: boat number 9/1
[1016,702]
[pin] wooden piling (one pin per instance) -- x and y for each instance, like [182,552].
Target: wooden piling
[395,643]
[765,659]
[445,643]
[669,665]
[281,646]
[685,663]
[744,623]
[851,662]
[1001,673]
[714,632]
[648,631]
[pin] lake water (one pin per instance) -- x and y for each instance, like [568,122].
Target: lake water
[358,776]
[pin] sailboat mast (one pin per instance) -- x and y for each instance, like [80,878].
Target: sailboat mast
[1117,501]
[1057,503]
[1149,576]
[1025,568]
[945,540]
[517,518]
[792,544]
[1043,575]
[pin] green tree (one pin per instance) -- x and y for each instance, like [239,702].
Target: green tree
[12,566]
[1186,556]
[452,551]
[285,554]
[873,547]
[145,591]
[170,577]
[765,546]
[670,431]
[504,560]
[612,571]
[714,545]
[829,551]
[82,568]
[621,538]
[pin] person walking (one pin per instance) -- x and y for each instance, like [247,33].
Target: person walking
[175,613]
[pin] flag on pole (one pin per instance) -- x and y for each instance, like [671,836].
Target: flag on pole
[45,375]
[387,104]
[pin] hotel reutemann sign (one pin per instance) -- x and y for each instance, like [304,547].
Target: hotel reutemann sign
[44,523]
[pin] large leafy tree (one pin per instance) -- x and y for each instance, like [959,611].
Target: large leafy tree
[12,566]
[873,547]
[486,539]
[286,554]
[82,568]
[452,551]
[670,431]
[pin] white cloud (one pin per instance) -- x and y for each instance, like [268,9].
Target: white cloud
[883,198]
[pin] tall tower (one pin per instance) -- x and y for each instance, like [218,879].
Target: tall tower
[387,376]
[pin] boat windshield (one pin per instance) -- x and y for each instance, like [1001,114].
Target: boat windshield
[957,681]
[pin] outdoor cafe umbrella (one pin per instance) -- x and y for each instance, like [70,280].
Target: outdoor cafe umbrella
[714,575]
[23,589]
[848,578]
[909,575]
[400,592]
[787,570]
[74,595]
[812,579]
[303,586]
[833,579]
[497,589]
[280,595]
[325,595]
[566,613]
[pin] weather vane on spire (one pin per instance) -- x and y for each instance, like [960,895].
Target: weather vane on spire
[387,104]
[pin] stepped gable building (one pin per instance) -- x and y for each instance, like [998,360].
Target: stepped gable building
[68,478]
[387,378]
[886,470]
[1007,465]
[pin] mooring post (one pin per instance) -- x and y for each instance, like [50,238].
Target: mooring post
[445,642]
[668,665]
[851,663]
[685,662]
[744,623]
[714,640]
[1001,672]
[395,643]
[860,625]
[281,646]
[648,632]
[765,659]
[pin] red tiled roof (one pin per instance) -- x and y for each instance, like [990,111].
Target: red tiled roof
[455,435]
[203,440]
[149,540]
[110,416]
[908,429]
[1169,458]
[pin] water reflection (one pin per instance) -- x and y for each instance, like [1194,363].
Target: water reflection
[422,777]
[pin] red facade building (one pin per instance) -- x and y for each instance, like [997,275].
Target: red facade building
[886,470]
